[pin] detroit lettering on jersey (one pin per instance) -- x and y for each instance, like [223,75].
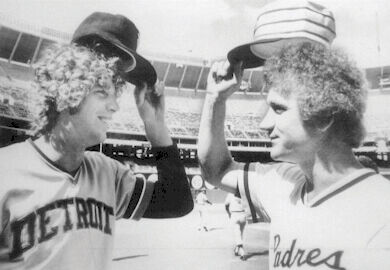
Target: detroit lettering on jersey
[35,227]
[296,257]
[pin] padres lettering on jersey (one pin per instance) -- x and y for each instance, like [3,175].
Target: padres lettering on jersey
[339,228]
[37,226]
[297,257]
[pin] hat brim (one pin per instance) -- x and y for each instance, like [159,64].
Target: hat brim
[245,55]
[254,54]
[143,70]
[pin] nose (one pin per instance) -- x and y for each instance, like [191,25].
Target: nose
[268,121]
[112,104]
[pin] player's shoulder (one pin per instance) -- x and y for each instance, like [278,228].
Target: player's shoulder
[100,161]
[16,150]
[285,171]
[378,184]
[13,159]
[371,192]
[13,147]
[374,180]
[93,156]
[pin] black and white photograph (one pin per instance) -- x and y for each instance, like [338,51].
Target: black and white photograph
[197,135]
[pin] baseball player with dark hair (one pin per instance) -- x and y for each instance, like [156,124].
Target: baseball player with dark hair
[59,202]
[326,210]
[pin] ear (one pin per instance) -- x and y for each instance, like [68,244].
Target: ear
[324,125]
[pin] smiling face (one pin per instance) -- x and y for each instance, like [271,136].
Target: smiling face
[291,140]
[330,90]
[66,77]
[90,122]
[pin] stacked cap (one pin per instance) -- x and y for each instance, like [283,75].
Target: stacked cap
[284,22]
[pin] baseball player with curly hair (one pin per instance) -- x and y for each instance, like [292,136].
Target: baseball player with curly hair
[59,202]
[327,211]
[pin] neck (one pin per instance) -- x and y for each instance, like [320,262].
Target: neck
[62,147]
[329,165]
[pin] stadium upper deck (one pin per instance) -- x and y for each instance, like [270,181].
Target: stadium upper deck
[185,79]
[23,44]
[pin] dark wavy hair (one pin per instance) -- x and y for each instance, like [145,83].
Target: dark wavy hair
[328,86]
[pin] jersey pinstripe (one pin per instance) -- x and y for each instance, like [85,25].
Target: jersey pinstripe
[347,226]
[53,220]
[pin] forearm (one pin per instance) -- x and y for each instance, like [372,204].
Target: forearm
[214,156]
[172,195]
[157,133]
[150,104]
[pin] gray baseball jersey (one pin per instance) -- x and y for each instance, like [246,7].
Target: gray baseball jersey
[51,219]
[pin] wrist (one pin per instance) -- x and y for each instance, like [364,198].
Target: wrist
[158,134]
[158,122]
[215,97]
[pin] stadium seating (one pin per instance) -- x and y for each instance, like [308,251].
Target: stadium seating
[186,77]
[183,115]
[14,102]
[183,120]
[5,110]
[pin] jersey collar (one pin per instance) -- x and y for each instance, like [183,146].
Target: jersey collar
[337,187]
[58,167]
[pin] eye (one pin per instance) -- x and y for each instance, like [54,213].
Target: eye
[278,109]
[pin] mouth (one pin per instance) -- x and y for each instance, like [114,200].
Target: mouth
[105,120]
[274,140]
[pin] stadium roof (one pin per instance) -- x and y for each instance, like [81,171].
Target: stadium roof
[208,29]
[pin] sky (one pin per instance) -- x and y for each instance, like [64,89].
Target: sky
[210,28]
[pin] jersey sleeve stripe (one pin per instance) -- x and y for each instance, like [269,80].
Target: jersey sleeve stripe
[138,188]
[248,195]
[140,200]
[257,210]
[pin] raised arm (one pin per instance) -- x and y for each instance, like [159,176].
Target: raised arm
[150,103]
[214,157]
[171,195]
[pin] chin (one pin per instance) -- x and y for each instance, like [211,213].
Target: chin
[98,138]
[275,153]
[275,156]
[278,155]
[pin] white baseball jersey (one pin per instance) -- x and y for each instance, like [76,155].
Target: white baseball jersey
[234,203]
[53,220]
[347,226]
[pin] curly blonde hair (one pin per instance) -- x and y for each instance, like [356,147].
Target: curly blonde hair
[63,78]
[328,86]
